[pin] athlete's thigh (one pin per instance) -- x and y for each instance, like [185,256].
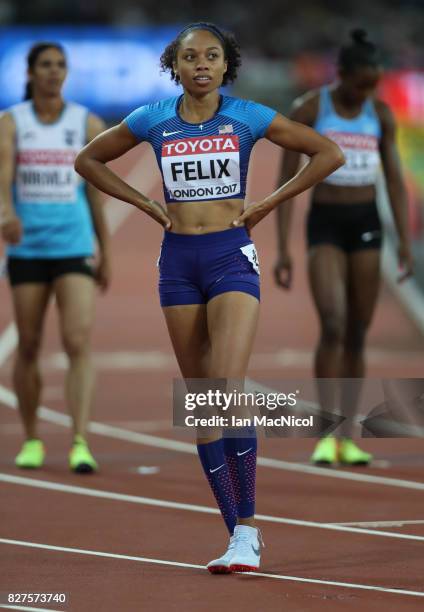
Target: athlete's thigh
[188,331]
[232,323]
[327,271]
[75,301]
[363,284]
[30,302]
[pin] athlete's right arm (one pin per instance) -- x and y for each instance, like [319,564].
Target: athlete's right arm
[91,164]
[11,228]
[303,111]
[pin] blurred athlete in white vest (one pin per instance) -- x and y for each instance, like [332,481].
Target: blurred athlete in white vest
[48,219]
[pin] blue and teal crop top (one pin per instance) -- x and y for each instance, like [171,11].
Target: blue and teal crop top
[206,161]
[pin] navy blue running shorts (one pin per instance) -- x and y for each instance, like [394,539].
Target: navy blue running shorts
[196,268]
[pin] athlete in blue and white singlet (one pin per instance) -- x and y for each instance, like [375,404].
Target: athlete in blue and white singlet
[48,219]
[209,273]
[206,161]
[344,232]
[49,197]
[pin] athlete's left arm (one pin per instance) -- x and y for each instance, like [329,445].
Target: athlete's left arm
[395,186]
[325,157]
[96,126]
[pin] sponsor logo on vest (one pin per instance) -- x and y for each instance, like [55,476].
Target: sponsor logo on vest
[204,144]
[350,140]
[40,157]
[165,134]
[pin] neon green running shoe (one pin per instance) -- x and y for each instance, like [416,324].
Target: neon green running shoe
[81,460]
[351,454]
[31,455]
[325,452]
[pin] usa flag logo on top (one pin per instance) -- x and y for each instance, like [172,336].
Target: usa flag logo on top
[225,129]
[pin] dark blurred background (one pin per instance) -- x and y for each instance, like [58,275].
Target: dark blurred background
[287,48]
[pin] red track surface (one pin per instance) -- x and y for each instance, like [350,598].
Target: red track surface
[134,394]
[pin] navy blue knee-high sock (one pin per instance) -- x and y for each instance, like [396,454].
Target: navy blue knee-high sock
[215,466]
[240,453]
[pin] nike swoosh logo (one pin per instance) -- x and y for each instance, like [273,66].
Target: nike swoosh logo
[244,452]
[165,134]
[216,469]
[256,550]
[219,279]
[367,236]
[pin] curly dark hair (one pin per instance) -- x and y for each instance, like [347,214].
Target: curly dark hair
[228,42]
[360,53]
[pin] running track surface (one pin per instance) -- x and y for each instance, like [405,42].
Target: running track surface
[137,535]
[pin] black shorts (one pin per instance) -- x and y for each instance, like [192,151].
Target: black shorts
[351,227]
[22,270]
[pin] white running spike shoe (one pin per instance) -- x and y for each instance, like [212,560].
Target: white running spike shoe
[222,565]
[247,549]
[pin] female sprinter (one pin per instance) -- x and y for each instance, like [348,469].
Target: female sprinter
[209,283]
[47,218]
[344,230]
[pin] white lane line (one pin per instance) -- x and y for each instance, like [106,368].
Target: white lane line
[341,475]
[116,214]
[95,553]
[11,607]
[380,523]
[9,399]
[118,360]
[8,342]
[166,361]
[160,503]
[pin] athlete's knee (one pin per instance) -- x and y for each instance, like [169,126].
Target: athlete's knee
[332,329]
[76,342]
[355,337]
[29,346]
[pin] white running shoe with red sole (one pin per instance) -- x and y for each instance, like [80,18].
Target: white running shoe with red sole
[247,549]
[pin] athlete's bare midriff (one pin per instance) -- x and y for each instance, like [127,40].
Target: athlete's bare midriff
[335,194]
[204,217]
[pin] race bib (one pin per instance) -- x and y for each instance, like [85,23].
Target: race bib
[250,252]
[362,159]
[201,168]
[46,176]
